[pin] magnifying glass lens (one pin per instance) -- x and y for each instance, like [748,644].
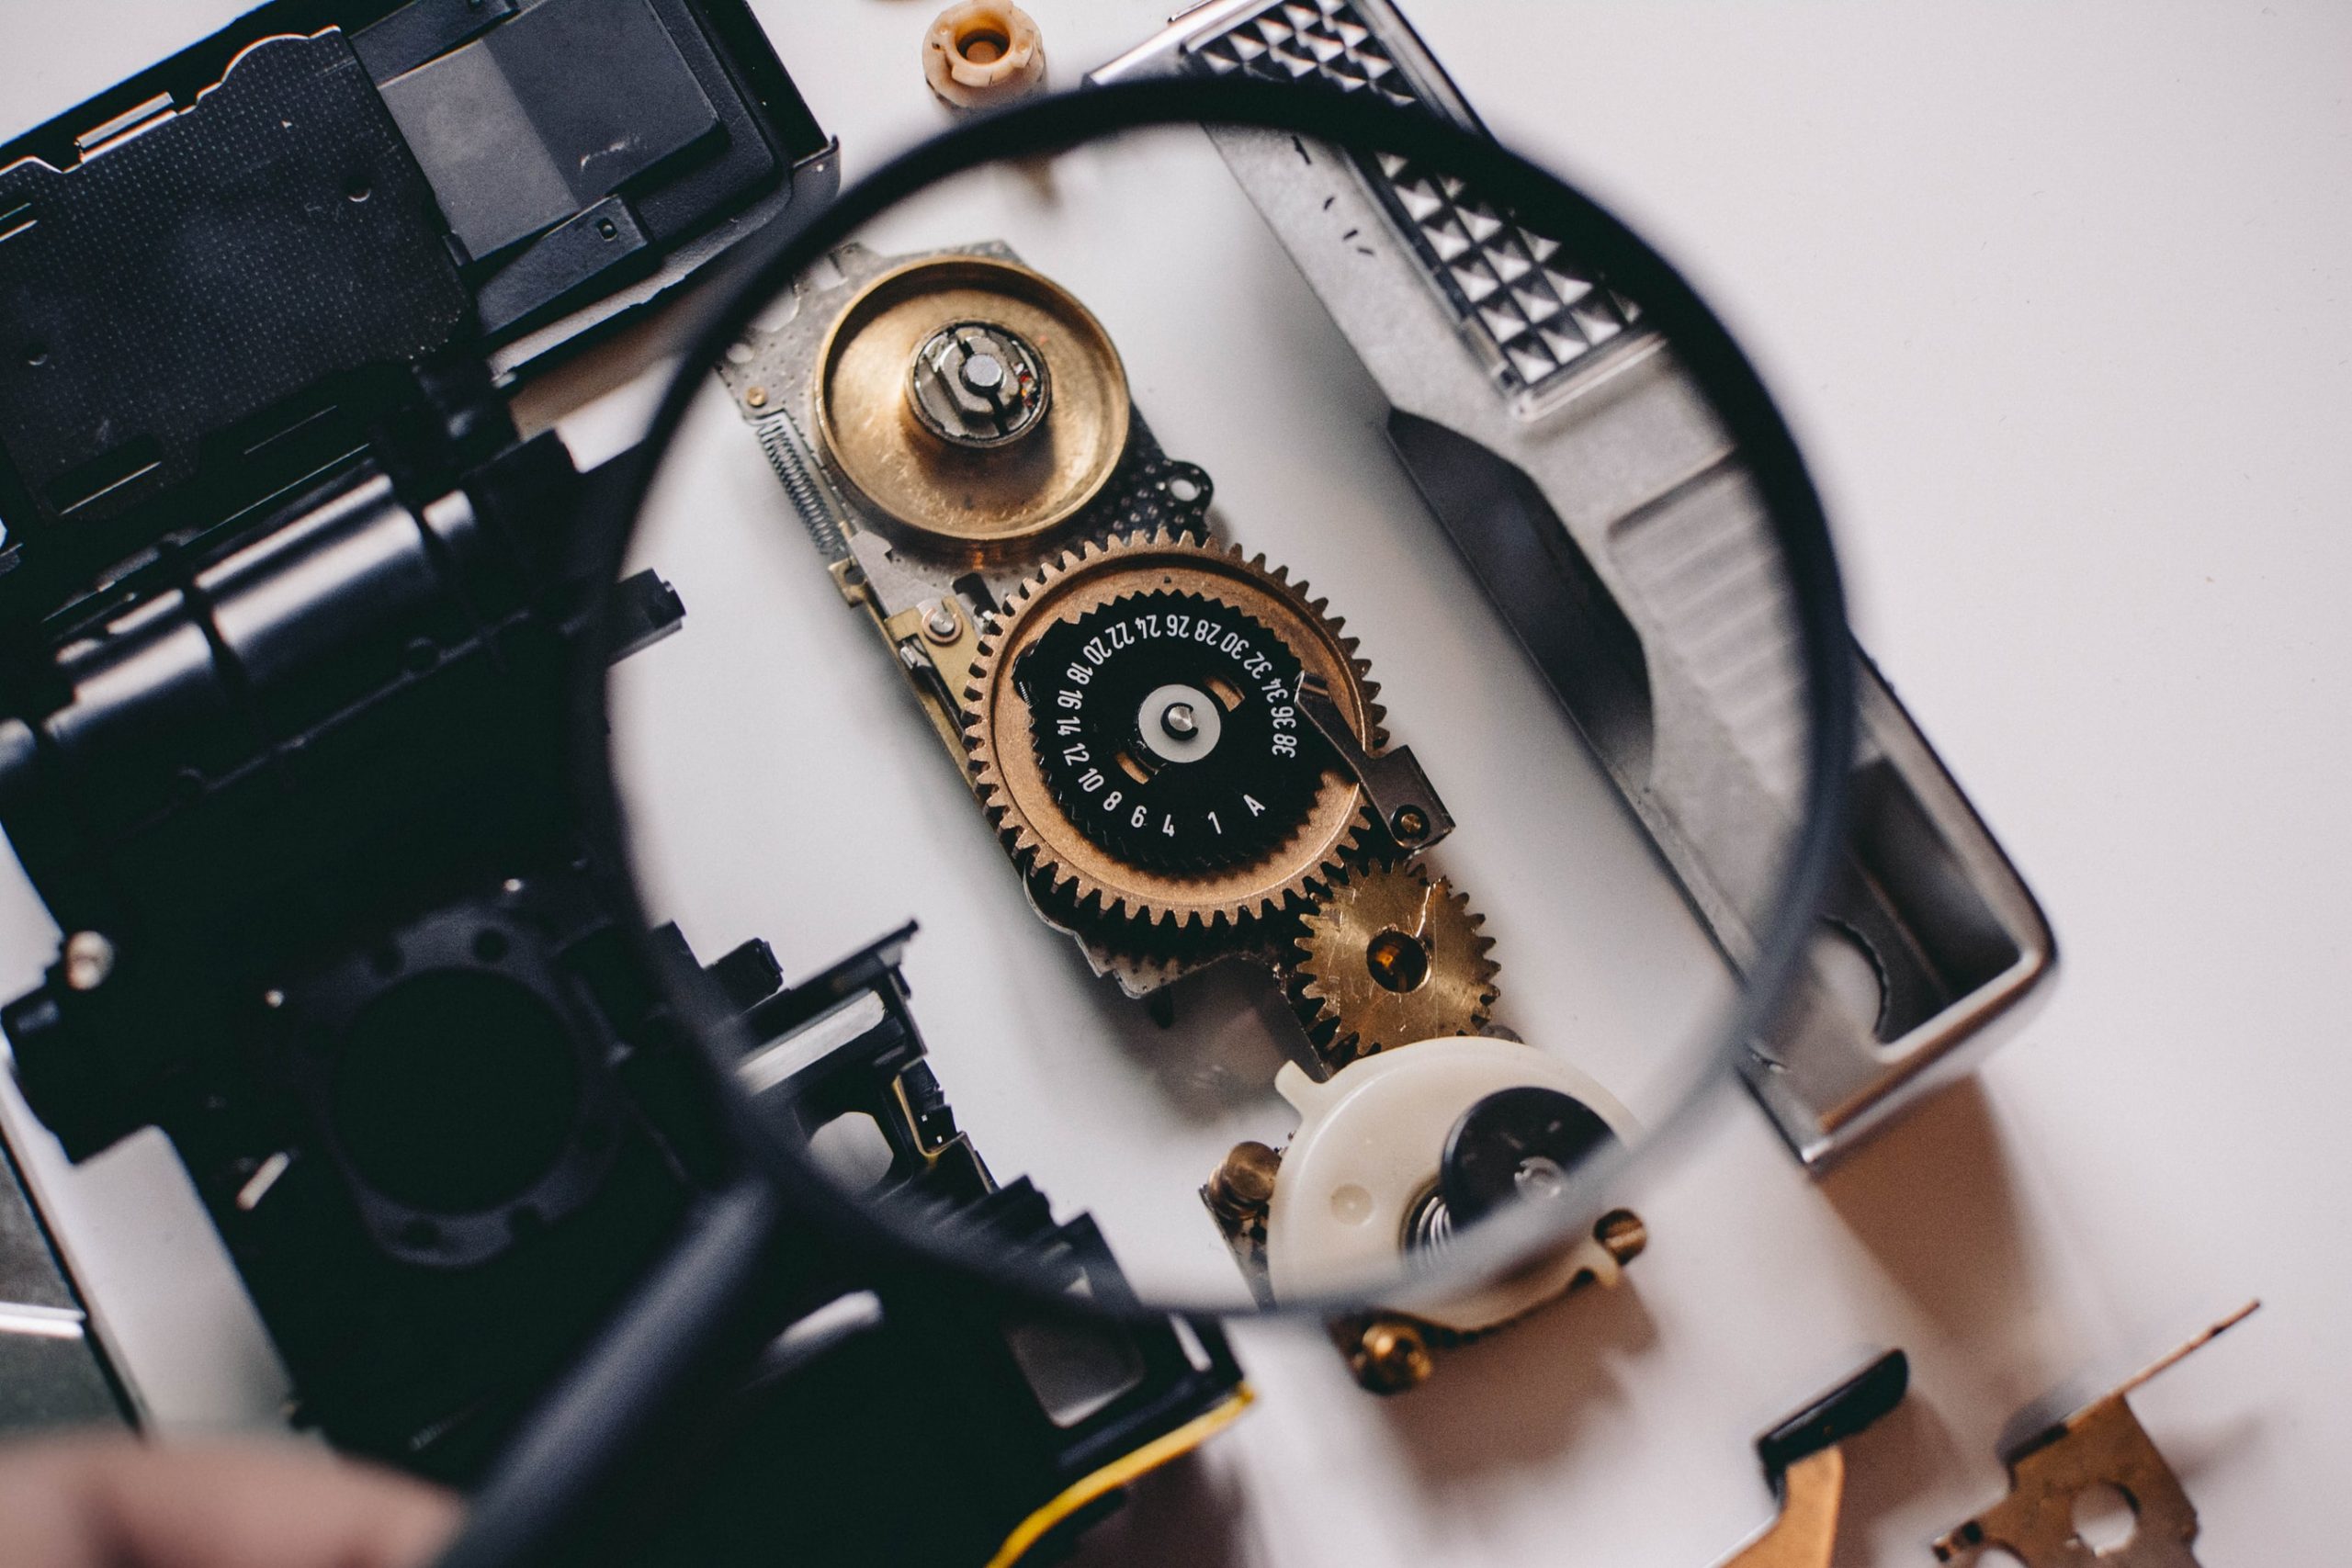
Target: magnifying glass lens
[1256,685]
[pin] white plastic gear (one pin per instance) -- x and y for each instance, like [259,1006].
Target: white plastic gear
[1367,1150]
[983,52]
[1079,876]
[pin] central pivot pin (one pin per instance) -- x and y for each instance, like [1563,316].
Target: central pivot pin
[978,385]
[1180,723]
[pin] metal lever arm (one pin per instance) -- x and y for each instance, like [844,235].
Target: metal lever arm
[1805,1458]
[1393,780]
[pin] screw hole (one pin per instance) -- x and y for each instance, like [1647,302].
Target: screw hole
[2105,1517]
[36,354]
[1399,963]
[359,190]
[491,946]
[983,45]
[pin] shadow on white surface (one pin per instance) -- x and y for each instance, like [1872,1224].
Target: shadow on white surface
[1209,1043]
[2222,1444]
[1933,1200]
[1522,1399]
[1886,1469]
[1190,1512]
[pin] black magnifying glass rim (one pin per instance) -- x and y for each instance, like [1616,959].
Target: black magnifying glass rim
[1539,198]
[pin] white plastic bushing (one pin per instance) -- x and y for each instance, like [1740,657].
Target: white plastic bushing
[981,53]
[1367,1150]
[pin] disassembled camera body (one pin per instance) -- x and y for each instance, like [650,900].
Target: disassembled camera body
[294,615]
[1614,529]
[1069,1407]
[1180,749]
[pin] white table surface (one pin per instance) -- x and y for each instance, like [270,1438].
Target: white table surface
[2058,298]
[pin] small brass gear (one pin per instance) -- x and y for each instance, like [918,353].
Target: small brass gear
[1390,957]
[1149,768]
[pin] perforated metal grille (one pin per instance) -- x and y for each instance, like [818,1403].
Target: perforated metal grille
[1297,40]
[1542,314]
[1539,315]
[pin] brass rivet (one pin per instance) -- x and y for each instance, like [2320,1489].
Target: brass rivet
[1623,1232]
[757,397]
[1244,1184]
[1391,1357]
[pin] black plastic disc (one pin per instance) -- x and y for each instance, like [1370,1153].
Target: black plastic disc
[1233,785]
[1510,1144]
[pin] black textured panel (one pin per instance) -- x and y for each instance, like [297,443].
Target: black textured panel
[195,276]
[530,123]
[417,32]
[568,260]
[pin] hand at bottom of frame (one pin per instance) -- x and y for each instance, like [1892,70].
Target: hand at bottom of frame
[116,1502]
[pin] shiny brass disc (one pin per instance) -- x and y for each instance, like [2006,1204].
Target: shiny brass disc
[976,507]
[1012,785]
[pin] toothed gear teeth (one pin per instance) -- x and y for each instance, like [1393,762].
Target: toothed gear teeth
[1390,957]
[1116,882]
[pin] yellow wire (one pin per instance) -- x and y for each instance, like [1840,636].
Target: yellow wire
[1118,1473]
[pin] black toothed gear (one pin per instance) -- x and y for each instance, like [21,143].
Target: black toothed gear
[1116,758]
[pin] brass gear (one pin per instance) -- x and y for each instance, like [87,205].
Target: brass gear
[1078,878]
[1390,957]
[978,503]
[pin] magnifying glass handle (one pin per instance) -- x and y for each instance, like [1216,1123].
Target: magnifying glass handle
[690,1320]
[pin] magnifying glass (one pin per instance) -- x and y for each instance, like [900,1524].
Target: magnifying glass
[1304,650]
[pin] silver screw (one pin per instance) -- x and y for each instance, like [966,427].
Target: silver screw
[1539,1177]
[89,959]
[977,386]
[942,623]
[1180,721]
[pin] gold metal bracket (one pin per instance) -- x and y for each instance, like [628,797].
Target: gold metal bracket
[2100,1444]
[1394,785]
[936,643]
[1805,1458]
